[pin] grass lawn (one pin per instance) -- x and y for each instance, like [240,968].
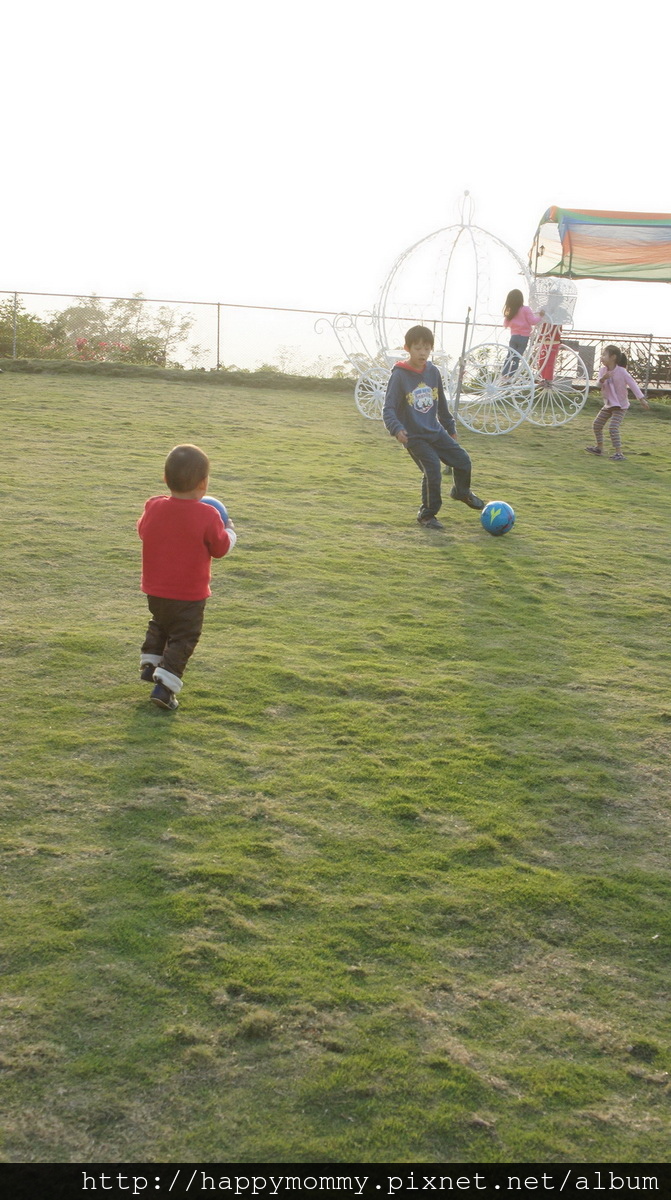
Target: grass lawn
[392,884]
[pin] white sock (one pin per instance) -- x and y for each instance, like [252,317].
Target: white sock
[172,682]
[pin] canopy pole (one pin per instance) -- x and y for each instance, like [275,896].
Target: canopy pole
[538,238]
[462,365]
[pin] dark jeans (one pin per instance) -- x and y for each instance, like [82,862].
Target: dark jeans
[429,452]
[173,631]
[519,343]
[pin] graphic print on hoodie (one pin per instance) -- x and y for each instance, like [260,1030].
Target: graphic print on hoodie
[415,402]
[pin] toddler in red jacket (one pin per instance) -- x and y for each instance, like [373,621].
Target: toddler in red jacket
[180,537]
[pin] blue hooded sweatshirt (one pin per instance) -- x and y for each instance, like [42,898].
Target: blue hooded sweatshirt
[415,401]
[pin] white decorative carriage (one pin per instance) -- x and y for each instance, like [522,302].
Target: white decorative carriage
[492,389]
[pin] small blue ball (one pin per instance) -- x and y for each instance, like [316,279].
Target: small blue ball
[497,517]
[221,508]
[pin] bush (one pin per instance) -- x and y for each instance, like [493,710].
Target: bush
[120,331]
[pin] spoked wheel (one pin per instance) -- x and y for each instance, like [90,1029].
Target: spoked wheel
[370,391]
[561,385]
[497,389]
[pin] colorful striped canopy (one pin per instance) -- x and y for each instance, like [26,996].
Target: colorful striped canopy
[588,244]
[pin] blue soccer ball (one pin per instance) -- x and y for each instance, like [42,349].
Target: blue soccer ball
[497,517]
[221,508]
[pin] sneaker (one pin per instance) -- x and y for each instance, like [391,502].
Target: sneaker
[162,696]
[593,450]
[429,523]
[147,672]
[616,457]
[470,499]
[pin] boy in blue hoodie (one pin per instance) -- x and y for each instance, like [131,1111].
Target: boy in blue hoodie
[416,413]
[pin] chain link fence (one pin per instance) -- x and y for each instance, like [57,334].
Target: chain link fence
[210,336]
[196,335]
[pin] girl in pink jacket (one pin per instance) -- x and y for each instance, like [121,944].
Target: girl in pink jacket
[519,319]
[614,381]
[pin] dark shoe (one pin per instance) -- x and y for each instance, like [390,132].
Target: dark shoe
[429,523]
[617,457]
[147,672]
[162,696]
[470,499]
[593,450]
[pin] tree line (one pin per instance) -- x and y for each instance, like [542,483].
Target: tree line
[93,330]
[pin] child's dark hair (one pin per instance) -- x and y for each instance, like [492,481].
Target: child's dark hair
[620,356]
[185,467]
[513,304]
[418,333]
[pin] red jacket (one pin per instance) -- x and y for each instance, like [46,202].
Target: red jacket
[179,540]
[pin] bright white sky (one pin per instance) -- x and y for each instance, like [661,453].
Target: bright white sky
[285,152]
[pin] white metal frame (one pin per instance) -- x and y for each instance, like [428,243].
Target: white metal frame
[491,399]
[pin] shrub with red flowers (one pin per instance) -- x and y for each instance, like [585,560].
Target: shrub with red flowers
[125,330]
[93,351]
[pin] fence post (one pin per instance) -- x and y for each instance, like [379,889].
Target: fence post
[218,335]
[647,374]
[16,316]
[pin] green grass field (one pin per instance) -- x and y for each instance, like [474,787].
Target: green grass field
[392,885]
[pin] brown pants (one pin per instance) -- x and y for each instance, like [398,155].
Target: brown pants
[173,631]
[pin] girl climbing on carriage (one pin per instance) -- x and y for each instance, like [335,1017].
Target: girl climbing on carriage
[520,320]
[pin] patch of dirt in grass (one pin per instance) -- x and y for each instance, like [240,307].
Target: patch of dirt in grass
[38,1135]
[297,847]
[661,1078]
[199,955]
[186,1035]
[448,1049]
[546,979]
[446,824]
[258,1025]
[31,1059]
[626,1117]
[283,712]
[159,795]
[16,1013]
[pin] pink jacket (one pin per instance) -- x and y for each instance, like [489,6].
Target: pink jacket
[614,388]
[522,322]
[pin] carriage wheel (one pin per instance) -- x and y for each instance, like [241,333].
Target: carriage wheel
[370,391]
[561,398]
[490,401]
